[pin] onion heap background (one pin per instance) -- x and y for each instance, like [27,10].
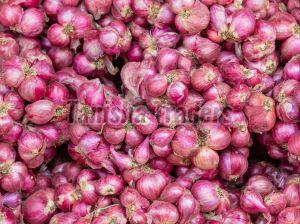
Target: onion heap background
[150,111]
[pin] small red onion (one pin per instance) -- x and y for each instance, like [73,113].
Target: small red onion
[172,192]
[205,192]
[251,202]
[260,184]
[282,132]
[205,158]
[260,112]
[110,185]
[39,207]
[233,165]
[163,212]
[151,184]
[293,144]
[289,215]
[192,18]
[185,140]
[204,77]
[275,202]
[214,135]
[29,28]
[65,196]
[10,14]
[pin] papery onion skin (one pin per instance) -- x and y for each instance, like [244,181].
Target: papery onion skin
[293,144]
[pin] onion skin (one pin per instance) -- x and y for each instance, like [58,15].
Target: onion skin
[289,215]
[260,184]
[275,202]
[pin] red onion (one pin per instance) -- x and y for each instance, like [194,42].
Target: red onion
[65,196]
[293,144]
[40,112]
[121,160]
[291,69]
[282,132]
[275,202]
[260,112]
[151,184]
[206,193]
[204,77]
[67,218]
[167,59]
[252,202]
[142,152]
[290,47]
[207,53]
[214,135]
[172,192]
[233,165]
[163,212]
[287,110]
[133,137]
[260,184]
[31,146]
[185,140]
[52,7]
[7,156]
[10,14]
[237,31]
[191,18]
[291,191]
[29,28]
[206,158]
[284,24]
[12,200]
[110,185]
[177,93]
[39,207]
[144,121]
[187,206]
[237,216]
[289,215]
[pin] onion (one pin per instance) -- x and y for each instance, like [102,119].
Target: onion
[206,158]
[188,17]
[206,194]
[214,135]
[252,202]
[66,196]
[275,202]
[185,140]
[144,121]
[163,212]
[110,185]
[291,191]
[204,77]
[291,69]
[290,47]
[40,112]
[39,207]
[236,216]
[177,93]
[67,218]
[233,165]
[29,28]
[187,206]
[142,152]
[282,132]
[151,184]
[260,184]
[289,215]
[293,144]
[207,53]
[11,14]
[260,112]
[172,192]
